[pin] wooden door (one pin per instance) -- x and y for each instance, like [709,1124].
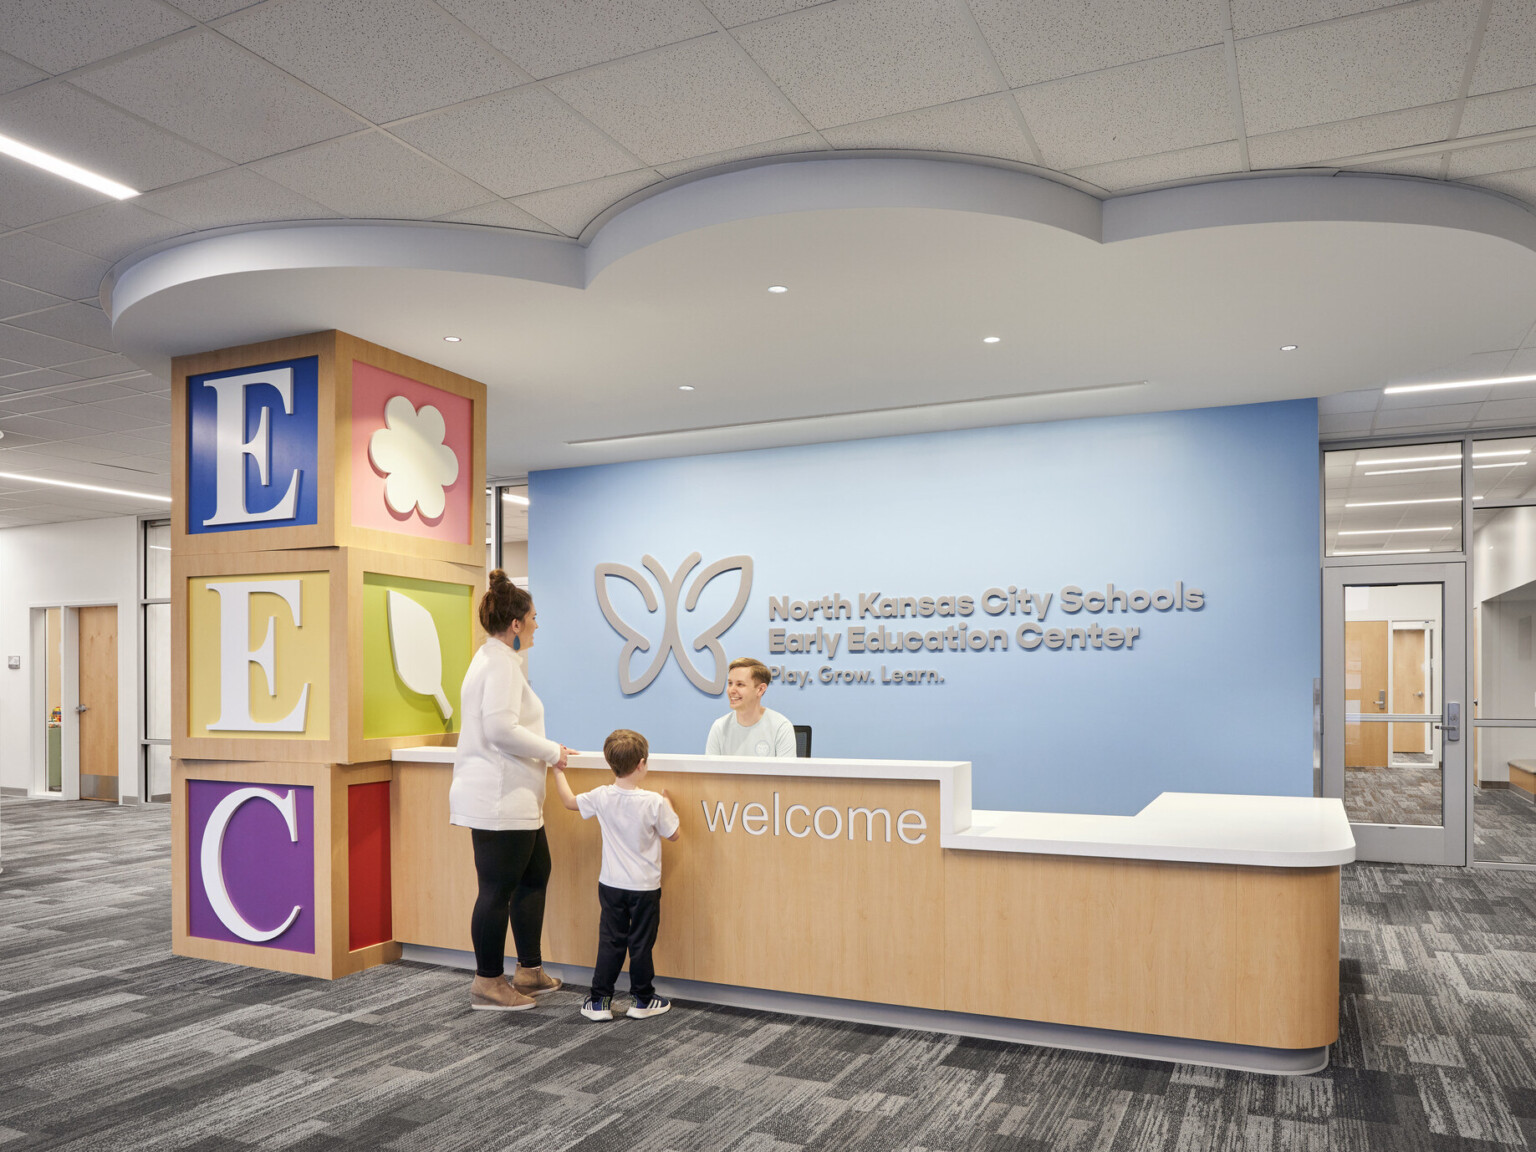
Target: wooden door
[1365,685]
[1410,695]
[98,702]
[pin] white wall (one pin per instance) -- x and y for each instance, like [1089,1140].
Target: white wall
[79,563]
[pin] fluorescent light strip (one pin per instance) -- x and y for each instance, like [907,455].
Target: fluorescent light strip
[1382,552]
[1444,468]
[84,487]
[1395,503]
[511,499]
[1434,459]
[1389,531]
[1400,389]
[29,155]
[793,421]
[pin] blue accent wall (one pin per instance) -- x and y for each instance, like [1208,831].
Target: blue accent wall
[1214,700]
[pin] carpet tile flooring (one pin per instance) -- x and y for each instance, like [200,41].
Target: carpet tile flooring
[107,1041]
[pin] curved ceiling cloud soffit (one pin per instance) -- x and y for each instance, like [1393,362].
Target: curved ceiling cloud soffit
[779,187]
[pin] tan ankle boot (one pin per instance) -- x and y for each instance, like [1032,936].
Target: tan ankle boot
[494,994]
[532,981]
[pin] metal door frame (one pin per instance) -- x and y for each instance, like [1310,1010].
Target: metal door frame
[1448,842]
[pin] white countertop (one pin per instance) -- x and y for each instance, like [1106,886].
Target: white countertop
[1196,827]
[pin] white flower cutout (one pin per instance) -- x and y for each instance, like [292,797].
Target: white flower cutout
[409,450]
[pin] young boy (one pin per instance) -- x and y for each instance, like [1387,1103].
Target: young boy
[633,822]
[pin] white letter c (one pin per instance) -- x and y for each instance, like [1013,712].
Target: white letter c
[213,860]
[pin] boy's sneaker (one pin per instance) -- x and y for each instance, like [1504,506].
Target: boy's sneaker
[598,1008]
[655,1006]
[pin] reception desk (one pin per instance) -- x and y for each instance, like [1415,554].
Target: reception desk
[1204,928]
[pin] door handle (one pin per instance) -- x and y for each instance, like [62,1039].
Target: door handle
[1381,700]
[1452,722]
[82,707]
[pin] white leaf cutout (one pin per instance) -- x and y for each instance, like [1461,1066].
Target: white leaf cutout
[409,450]
[418,652]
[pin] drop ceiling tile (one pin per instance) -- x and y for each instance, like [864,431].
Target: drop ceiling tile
[16,73]
[1413,166]
[79,323]
[733,13]
[35,348]
[14,300]
[234,196]
[111,231]
[545,38]
[10,368]
[541,143]
[863,59]
[1254,17]
[29,381]
[1521,185]
[43,427]
[1142,109]
[139,444]
[153,408]
[96,367]
[1343,423]
[1322,142]
[29,195]
[1443,415]
[1185,164]
[1507,411]
[102,420]
[371,176]
[789,146]
[1402,57]
[1498,112]
[684,100]
[499,214]
[1508,58]
[86,131]
[37,263]
[204,88]
[62,34]
[213,9]
[1509,157]
[984,126]
[572,209]
[1038,40]
[385,59]
[30,405]
[1363,400]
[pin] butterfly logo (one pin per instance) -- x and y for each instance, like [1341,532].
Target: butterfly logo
[671,588]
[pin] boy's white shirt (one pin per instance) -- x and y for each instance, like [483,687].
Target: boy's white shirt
[634,823]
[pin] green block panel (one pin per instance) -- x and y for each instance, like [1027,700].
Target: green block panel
[390,707]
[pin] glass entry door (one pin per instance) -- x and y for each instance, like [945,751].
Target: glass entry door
[1395,733]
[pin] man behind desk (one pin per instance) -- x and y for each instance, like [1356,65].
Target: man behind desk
[749,729]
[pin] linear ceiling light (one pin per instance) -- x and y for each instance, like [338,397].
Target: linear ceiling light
[511,498]
[1381,552]
[1389,531]
[84,487]
[1394,503]
[1446,468]
[1399,389]
[64,168]
[1436,459]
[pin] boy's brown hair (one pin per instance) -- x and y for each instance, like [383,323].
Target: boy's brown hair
[624,749]
[760,671]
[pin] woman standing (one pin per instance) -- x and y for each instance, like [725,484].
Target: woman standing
[498,794]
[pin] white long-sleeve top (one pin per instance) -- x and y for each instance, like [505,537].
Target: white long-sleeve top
[499,766]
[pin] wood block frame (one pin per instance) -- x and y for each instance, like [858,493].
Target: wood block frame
[345,568]
[332,957]
[336,353]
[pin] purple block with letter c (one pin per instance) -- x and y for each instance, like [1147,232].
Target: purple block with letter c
[251,864]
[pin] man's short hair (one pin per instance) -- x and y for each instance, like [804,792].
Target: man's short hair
[624,749]
[760,671]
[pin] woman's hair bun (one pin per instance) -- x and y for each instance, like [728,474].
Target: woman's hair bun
[498,577]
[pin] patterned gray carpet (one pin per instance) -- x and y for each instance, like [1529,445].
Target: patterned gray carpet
[1402,794]
[109,1042]
[1505,823]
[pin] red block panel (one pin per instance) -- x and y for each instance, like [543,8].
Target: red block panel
[369,920]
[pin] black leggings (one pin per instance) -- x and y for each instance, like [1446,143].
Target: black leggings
[513,867]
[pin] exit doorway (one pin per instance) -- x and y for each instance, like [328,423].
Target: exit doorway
[75,702]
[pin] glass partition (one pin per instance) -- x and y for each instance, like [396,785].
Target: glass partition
[1392,501]
[514,532]
[1504,470]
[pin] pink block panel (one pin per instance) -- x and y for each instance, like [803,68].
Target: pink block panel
[372,389]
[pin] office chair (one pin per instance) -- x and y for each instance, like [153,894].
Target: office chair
[803,741]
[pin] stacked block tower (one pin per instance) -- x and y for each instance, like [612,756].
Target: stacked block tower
[327,561]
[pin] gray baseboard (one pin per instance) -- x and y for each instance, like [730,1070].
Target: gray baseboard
[1171,1049]
[13,792]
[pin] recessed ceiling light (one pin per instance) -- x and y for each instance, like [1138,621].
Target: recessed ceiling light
[514,498]
[84,487]
[1399,389]
[685,387]
[453,339]
[991,339]
[777,289]
[1287,347]
[64,168]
